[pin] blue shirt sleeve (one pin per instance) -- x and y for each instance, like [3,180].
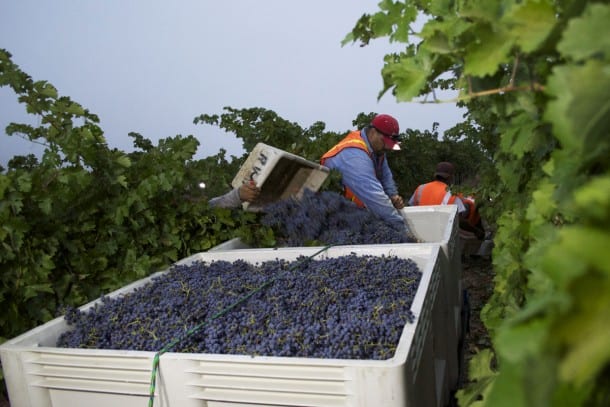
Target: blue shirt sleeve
[387,180]
[229,200]
[358,174]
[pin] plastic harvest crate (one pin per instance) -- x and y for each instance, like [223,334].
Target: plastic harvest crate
[278,174]
[38,374]
[430,224]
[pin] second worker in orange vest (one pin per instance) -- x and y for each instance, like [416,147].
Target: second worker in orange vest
[437,192]
[366,177]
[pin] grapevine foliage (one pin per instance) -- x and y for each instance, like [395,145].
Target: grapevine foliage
[348,307]
[534,76]
[84,219]
[328,218]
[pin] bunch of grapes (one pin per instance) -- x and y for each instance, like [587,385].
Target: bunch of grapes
[348,307]
[321,218]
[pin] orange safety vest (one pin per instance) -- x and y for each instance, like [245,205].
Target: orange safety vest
[433,193]
[473,215]
[352,140]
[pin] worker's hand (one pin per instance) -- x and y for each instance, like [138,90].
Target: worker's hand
[248,192]
[397,201]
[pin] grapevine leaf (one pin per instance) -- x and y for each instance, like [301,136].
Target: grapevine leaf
[587,36]
[441,7]
[438,36]
[381,24]
[75,109]
[487,51]
[516,342]
[409,75]
[585,328]
[45,205]
[123,161]
[24,182]
[480,372]
[530,23]
[5,181]
[507,390]
[580,111]
[484,10]
[49,90]
[542,205]
[33,290]
[594,197]
[480,367]
[577,249]
[521,137]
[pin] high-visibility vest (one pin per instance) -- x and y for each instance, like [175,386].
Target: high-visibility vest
[352,140]
[473,215]
[433,193]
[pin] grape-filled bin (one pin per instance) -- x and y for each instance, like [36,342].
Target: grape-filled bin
[40,374]
[430,224]
[439,224]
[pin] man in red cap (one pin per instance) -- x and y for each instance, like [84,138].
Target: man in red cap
[366,177]
[437,192]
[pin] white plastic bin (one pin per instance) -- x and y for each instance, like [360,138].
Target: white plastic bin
[38,374]
[431,224]
[278,174]
[439,224]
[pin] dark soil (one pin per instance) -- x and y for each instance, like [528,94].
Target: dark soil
[477,277]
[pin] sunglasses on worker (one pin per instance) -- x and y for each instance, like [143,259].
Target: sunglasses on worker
[394,137]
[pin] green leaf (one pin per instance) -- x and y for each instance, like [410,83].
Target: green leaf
[519,341]
[580,109]
[485,11]
[409,75]
[577,250]
[542,206]
[521,137]
[75,109]
[589,35]
[489,48]
[49,90]
[123,161]
[24,182]
[33,290]
[5,182]
[438,36]
[45,205]
[480,366]
[594,198]
[530,23]
[585,330]
[481,376]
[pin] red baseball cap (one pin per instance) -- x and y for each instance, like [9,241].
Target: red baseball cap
[388,127]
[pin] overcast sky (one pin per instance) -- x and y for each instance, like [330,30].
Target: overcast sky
[152,66]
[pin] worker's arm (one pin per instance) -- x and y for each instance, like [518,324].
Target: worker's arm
[233,199]
[358,174]
[229,200]
[464,224]
[389,186]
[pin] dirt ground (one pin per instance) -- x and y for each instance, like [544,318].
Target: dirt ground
[477,277]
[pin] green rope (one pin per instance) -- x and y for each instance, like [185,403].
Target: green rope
[197,328]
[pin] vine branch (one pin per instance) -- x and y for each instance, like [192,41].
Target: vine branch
[535,86]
